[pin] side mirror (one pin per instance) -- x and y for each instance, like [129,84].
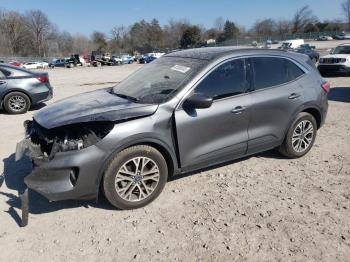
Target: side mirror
[198,101]
[331,50]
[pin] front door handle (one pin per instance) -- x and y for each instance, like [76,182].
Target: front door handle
[293,96]
[238,110]
[2,82]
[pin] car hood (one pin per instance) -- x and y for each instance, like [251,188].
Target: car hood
[100,105]
[337,56]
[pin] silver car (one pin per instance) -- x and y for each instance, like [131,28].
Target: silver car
[20,88]
[185,111]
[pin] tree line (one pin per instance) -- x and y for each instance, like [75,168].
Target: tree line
[33,34]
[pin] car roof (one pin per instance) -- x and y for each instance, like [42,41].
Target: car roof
[11,67]
[213,53]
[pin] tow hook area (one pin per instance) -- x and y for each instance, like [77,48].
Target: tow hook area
[25,207]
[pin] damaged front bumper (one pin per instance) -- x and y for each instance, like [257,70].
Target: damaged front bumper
[66,175]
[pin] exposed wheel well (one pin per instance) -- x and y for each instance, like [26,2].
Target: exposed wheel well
[316,114]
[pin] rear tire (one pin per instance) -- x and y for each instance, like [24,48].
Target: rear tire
[300,136]
[16,103]
[135,177]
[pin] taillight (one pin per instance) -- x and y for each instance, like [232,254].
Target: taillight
[43,79]
[326,86]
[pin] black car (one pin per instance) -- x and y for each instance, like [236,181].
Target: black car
[146,59]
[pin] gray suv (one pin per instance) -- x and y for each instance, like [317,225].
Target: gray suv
[185,111]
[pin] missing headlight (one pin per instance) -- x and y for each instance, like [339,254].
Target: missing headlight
[48,142]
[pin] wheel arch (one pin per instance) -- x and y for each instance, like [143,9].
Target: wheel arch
[316,114]
[14,90]
[168,155]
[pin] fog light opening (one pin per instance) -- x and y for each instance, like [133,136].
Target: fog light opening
[73,176]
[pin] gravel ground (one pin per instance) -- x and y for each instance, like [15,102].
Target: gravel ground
[261,208]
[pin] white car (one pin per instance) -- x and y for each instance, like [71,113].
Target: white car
[325,38]
[35,65]
[338,61]
[32,65]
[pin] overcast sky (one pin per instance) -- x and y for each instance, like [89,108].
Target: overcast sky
[85,16]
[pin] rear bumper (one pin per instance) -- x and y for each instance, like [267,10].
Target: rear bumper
[340,69]
[42,94]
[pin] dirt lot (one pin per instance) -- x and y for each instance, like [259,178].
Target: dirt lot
[262,208]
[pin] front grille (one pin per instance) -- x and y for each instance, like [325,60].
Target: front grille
[332,60]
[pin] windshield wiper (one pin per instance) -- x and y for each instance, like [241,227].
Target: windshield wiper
[131,98]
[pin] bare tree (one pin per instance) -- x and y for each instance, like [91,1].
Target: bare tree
[40,27]
[12,27]
[119,39]
[302,17]
[99,40]
[283,27]
[81,44]
[219,23]
[173,32]
[346,10]
[266,27]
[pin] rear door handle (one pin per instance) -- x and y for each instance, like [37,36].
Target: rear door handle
[294,96]
[238,110]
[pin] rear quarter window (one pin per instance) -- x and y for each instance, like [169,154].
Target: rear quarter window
[293,71]
[18,72]
[273,71]
[4,73]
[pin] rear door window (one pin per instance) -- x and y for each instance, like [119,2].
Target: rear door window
[273,71]
[228,79]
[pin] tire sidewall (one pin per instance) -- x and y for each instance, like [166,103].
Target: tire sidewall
[7,107]
[116,164]
[301,117]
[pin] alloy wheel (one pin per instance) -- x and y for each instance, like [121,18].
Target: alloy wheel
[17,103]
[302,136]
[137,179]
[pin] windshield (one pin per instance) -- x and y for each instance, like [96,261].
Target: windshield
[342,50]
[160,80]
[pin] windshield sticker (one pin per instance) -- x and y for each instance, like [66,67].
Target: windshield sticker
[179,68]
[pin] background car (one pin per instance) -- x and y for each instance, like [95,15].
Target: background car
[337,62]
[309,51]
[20,88]
[146,59]
[324,38]
[16,63]
[127,59]
[58,63]
[116,60]
[33,65]
[342,36]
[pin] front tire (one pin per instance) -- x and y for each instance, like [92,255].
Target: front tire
[135,177]
[16,103]
[300,136]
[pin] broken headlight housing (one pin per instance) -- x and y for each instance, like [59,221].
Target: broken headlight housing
[45,143]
